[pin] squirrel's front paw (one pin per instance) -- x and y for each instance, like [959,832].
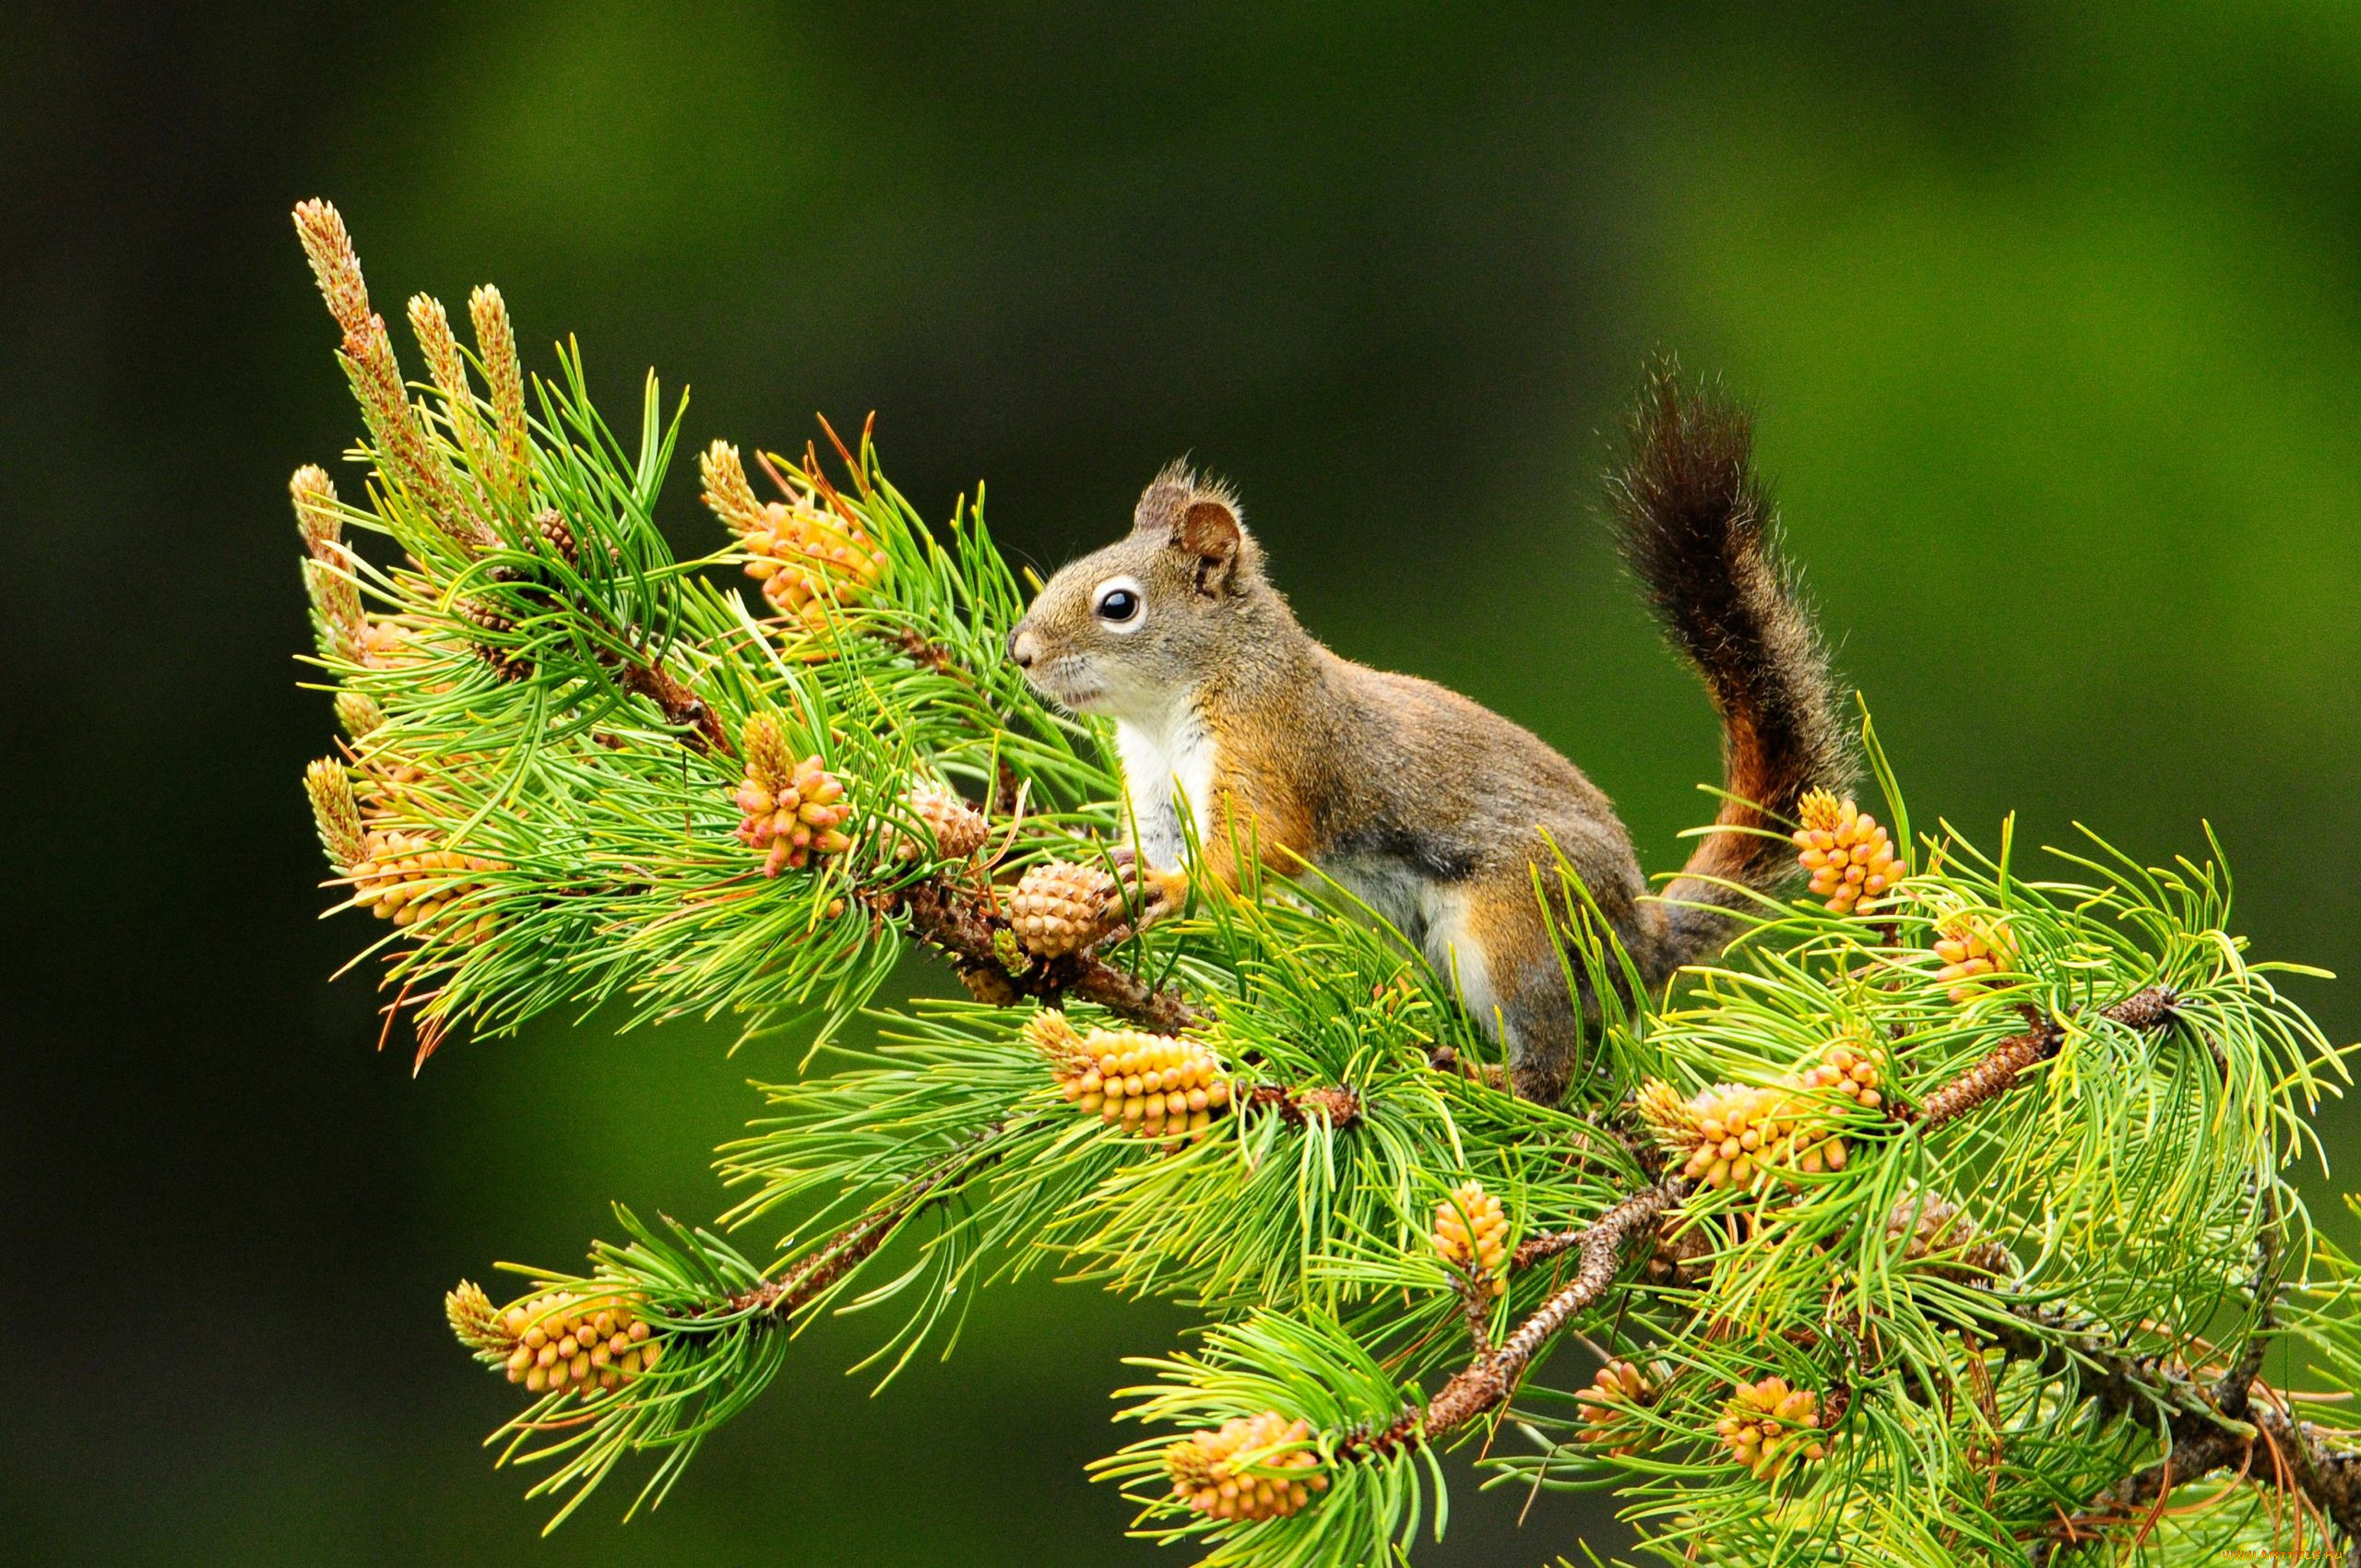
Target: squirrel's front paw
[1149,893]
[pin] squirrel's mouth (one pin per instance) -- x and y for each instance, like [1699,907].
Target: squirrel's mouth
[1068,686]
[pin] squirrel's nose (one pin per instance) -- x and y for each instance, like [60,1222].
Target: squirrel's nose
[1021,648]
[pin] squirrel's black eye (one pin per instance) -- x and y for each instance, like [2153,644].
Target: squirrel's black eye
[1118,605]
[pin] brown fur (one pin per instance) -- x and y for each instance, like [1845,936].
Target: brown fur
[1700,531]
[1436,811]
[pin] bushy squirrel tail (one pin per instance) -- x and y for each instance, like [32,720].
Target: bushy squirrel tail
[1701,536]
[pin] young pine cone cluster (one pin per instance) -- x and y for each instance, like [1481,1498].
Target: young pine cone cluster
[1610,1407]
[1850,857]
[1157,1086]
[1848,1073]
[1061,906]
[405,879]
[1739,1135]
[386,644]
[1471,1234]
[958,828]
[397,875]
[1769,1427]
[808,558]
[388,781]
[794,810]
[1973,951]
[557,1340]
[1208,1475]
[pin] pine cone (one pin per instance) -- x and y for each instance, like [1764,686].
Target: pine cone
[586,1341]
[1158,1085]
[1208,1475]
[558,535]
[1934,1232]
[1727,1135]
[1848,1073]
[388,780]
[386,644]
[1768,1427]
[1061,906]
[1610,1404]
[1973,951]
[1681,1257]
[1850,857]
[990,985]
[509,664]
[1471,1234]
[793,810]
[958,828]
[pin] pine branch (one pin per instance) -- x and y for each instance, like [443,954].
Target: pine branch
[1606,1244]
[681,707]
[2291,1456]
[2233,1392]
[2152,1008]
[1904,1313]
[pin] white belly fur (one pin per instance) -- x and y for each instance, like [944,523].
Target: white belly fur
[1168,767]
[1431,915]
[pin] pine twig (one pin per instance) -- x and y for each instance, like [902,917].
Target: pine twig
[1997,1073]
[1486,1381]
[2233,1393]
[1475,1308]
[2205,1442]
[2204,1427]
[681,707]
[833,1258]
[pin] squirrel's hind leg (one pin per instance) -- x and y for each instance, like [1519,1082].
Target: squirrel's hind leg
[1491,937]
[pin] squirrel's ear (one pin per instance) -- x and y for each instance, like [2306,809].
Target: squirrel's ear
[1210,536]
[1166,498]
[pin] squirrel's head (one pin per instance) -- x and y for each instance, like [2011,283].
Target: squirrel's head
[1126,629]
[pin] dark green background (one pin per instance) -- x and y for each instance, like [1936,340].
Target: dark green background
[2052,322]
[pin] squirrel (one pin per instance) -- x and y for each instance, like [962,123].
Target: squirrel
[1432,810]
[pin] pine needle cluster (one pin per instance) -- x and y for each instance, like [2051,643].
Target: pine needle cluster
[1947,1212]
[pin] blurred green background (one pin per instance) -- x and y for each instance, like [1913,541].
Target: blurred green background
[2051,314]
